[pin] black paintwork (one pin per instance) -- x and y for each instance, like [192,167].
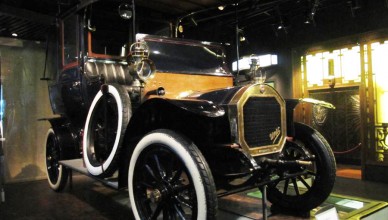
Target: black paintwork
[68,137]
[221,96]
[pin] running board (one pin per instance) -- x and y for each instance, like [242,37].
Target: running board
[78,166]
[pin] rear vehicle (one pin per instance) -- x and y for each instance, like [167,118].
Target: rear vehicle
[163,116]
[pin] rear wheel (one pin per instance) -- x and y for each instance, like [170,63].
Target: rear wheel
[315,182]
[169,179]
[56,174]
[104,130]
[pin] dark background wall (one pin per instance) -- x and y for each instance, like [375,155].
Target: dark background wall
[334,22]
[339,25]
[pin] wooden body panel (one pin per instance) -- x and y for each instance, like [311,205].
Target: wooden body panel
[178,85]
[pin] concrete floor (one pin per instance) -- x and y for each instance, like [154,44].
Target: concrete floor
[89,199]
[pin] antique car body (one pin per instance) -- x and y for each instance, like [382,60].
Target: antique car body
[165,118]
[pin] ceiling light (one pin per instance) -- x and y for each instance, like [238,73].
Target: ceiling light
[125,11]
[193,21]
[221,7]
[14,34]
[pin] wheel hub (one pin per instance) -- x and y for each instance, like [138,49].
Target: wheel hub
[155,196]
[162,193]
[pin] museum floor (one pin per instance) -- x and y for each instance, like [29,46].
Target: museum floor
[89,199]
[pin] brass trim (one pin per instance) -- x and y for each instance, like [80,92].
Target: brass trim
[239,100]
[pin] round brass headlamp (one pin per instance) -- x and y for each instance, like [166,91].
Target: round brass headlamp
[145,69]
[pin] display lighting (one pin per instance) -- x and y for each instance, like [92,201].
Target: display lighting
[379,67]
[385,135]
[125,11]
[264,61]
[2,104]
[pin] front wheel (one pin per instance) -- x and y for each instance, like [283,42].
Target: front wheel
[169,179]
[105,127]
[314,184]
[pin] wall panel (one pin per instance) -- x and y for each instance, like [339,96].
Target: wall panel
[26,101]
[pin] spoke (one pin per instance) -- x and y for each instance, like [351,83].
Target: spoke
[161,171]
[158,210]
[173,213]
[177,175]
[295,186]
[311,173]
[169,168]
[166,213]
[291,152]
[288,152]
[152,173]
[304,182]
[286,186]
[181,188]
[145,200]
[180,211]
[147,185]
[184,201]
[295,153]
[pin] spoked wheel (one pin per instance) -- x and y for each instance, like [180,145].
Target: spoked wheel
[314,183]
[56,174]
[104,130]
[169,179]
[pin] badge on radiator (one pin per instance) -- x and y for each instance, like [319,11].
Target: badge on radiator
[275,134]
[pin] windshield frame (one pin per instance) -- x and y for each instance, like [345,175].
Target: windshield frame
[179,41]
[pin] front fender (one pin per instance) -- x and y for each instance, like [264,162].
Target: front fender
[200,121]
[200,107]
[317,102]
[292,103]
[158,112]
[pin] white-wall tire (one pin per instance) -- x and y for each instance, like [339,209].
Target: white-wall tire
[101,158]
[180,165]
[56,174]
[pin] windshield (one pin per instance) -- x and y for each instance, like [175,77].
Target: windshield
[180,56]
[109,32]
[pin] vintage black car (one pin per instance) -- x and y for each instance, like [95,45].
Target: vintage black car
[163,117]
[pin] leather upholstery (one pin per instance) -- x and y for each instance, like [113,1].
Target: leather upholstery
[111,72]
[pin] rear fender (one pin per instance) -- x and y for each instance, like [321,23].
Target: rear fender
[67,138]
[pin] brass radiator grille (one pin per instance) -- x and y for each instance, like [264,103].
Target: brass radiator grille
[262,121]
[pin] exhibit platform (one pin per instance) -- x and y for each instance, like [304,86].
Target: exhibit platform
[90,199]
[248,205]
